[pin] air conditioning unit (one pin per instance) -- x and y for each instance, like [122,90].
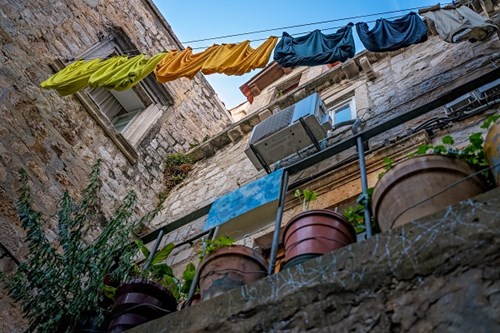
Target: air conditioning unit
[460,104]
[490,90]
[288,131]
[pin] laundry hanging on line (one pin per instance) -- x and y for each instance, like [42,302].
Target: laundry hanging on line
[230,59]
[461,23]
[238,59]
[119,73]
[315,48]
[392,35]
[75,76]
[126,74]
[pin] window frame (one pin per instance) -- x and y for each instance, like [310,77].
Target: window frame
[351,101]
[156,97]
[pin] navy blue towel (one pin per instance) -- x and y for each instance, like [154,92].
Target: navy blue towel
[393,35]
[315,48]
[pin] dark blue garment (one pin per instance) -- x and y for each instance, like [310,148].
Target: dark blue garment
[315,48]
[393,35]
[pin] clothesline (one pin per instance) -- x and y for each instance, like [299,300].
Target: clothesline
[315,48]
[309,24]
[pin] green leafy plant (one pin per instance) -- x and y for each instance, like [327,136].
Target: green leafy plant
[355,215]
[60,280]
[388,164]
[158,270]
[188,278]
[211,245]
[306,197]
[177,167]
[490,120]
[473,153]
[162,273]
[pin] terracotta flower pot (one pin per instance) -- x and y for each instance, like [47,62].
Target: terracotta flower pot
[140,301]
[492,150]
[228,268]
[421,186]
[313,233]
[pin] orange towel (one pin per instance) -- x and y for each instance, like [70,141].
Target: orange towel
[181,64]
[238,59]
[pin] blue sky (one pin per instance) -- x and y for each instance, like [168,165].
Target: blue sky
[199,19]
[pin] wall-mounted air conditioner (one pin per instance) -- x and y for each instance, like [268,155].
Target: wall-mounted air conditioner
[288,131]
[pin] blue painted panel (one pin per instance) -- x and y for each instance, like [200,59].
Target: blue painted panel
[244,199]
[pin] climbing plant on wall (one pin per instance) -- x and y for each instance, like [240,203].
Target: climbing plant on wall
[62,279]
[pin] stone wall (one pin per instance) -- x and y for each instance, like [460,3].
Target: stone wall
[55,138]
[438,274]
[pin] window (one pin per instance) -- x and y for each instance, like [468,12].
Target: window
[343,111]
[119,107]
[127,116]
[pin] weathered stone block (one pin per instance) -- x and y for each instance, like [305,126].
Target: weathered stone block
[235,133]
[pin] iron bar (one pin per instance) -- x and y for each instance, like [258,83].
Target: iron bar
[153,251]
[194,284]
[277,223]
[310,134]
[364,180]
[262,162]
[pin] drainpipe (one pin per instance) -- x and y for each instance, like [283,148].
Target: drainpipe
[364,181]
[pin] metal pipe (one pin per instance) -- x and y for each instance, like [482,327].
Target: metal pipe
[194,284]
[277,223]
[310,134]
[261,160]
[153,251]
[364,180]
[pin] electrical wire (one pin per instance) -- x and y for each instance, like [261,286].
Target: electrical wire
[301,33]
[293,26]
[303,25]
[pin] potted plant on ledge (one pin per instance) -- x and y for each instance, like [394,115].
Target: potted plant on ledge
[314,232]
[432,179]
[226,266]
[151,294]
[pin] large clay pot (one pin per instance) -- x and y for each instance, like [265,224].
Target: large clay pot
[313,233]
[492,150]
[140,301]
[421,186]
[228,268]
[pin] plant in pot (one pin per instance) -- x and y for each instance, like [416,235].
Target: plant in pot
[314,232]
[152,293]
[355,214]
[430,180]
[226,266]
[60,282]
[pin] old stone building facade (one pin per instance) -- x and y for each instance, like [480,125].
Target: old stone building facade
[57,139]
